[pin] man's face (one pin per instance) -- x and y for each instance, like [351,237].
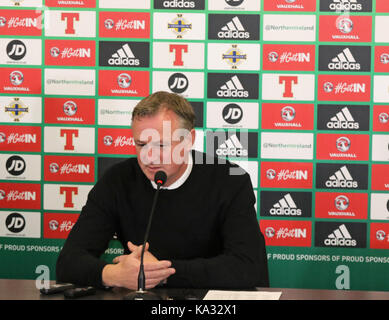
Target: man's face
[162,144]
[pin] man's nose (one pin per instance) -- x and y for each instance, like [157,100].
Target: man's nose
[152,155]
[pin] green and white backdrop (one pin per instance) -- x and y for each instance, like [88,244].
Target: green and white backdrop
[295,91]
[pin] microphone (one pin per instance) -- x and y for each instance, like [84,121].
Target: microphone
[141,294]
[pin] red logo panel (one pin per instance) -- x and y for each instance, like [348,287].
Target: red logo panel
[20,196]
[341,205]
[345,28]
[124,83]
[116,141]
[72,168]
[287,233]
[381,59]
[70,110]
[282,5]
[18,138]
[380,177]
[124,24]
[20,80]
[382,5]
[288,57]
[342,147]
[70,53]
[379,235]
[291,116]
[381,118]
[58,225]
[21,22]
[343,88]
[72,4]
[286,175]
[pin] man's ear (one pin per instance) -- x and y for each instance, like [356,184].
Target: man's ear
[193,136]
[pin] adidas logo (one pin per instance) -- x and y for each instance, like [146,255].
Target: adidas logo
[343,120]
[232,88]
[341,179]
[232,148]
[340,237]
[123,56]
[344,61]
[286,207]
[233,30]
[345,5]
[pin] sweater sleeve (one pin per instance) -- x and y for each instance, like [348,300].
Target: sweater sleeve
[79,260]
[243,262]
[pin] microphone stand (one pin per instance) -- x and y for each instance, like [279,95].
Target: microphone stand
[141,293]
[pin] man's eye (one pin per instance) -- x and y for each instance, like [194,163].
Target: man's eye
[140,145]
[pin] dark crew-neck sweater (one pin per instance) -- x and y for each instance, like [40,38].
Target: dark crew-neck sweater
[207,227]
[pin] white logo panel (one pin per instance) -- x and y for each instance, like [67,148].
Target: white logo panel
[20,167]
[21,3]
[21,109]
[288,87]
[21,51]
[178,55]
[291,27]
[381,29]
[234,5]
[20,224]
[232,115]
[125,4]
[70,82]
[381,88]
[73,24]
[65,196]
[379,208]
[187,84]
[187,26]
[115,112]
[275,145]
[239,56]
[69,140]
[380,149]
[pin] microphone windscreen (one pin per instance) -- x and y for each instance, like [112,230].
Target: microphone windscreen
[160,178]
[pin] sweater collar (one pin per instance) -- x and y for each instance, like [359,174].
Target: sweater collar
[180,181]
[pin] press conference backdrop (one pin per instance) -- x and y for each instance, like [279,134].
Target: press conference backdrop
[308,80]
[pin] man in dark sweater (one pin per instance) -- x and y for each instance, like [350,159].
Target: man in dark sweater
[204,233]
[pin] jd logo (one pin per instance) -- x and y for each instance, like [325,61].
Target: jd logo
[343,280]
[15,165]
[15,222]
[232,113]
[178,83]
[16,50]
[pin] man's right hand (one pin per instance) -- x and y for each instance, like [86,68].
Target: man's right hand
[125,272]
